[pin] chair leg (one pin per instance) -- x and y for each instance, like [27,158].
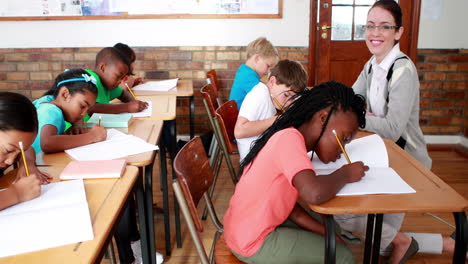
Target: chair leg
[218,158]
[217,235]
[232,171]
[111,252]
[213,146]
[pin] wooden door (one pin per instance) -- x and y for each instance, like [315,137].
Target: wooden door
[337,48]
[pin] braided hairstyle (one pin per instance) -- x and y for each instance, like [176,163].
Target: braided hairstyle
[331,94]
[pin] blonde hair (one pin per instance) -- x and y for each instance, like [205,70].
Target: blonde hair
[263,47]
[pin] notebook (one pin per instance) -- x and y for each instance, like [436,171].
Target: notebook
[110,120]
[93,169]
[157,86]
[59,216]
[379,179]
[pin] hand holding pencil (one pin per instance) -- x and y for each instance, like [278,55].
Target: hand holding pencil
[356,170]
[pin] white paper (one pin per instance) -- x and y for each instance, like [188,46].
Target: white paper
[157,86]
[371,150]
[379,179]
[145,113]
[114,148]
[59,216]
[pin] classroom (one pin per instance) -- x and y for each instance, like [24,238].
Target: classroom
[325,37]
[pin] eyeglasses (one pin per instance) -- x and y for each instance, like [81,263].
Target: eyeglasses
[382,28]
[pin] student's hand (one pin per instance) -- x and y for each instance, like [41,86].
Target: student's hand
[27,188]
[355,171]
[43,177]
[98,133]
[138,81]
[136,106]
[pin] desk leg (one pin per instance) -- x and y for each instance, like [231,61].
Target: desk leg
[142,218]
[330,242]
[173,132]
[377,236]
[369,236]
[192,116]
[163,173]
[149,211]
[461,237]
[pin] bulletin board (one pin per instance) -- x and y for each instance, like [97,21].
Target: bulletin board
[137,9]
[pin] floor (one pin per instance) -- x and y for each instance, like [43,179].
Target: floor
[449,164]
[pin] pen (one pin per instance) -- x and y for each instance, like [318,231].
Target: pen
[278,103]
[341,146]
[130,90]
[24,158]
[99,121]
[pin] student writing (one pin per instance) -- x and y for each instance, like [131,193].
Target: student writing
[18,122]
[261,57]
[73,92]
[263,103]
[264,223]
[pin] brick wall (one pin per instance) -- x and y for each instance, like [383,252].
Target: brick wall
[443,74]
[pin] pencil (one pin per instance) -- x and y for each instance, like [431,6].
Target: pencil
[278,103]
[130,90]
[24,158]
[341,146]
[99,121]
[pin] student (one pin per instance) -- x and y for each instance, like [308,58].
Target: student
[261,57]
[18,122]
[261,105]
[74,92]
[264,223]
[129,80]
[389,82]
[111,68]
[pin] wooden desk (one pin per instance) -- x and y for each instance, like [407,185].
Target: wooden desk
[150,131]
[106,198]
[184,89]
[164,106]
[432,195]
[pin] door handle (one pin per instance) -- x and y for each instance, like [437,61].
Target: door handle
[325,27]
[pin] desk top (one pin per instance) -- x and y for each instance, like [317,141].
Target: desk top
[184,88]
[146,129]
[164,106]
[432,194]
[106,198]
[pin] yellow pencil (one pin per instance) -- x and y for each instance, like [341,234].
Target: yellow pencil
[278,103]
[24,158]
[130,90]
[99,121]
[341,146]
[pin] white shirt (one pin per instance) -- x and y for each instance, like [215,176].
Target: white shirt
[378,92]
[257,106]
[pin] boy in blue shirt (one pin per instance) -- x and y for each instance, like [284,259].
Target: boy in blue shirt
[261,57]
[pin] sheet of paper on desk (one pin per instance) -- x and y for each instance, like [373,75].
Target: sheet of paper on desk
[371,150]
[117,146]
[376,181]
[59,216]
[145,113]
[157,86]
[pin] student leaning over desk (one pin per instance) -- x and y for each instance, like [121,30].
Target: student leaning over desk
[18,122]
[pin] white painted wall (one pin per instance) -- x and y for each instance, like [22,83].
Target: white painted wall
[292,30]
[442,28]
[443,24]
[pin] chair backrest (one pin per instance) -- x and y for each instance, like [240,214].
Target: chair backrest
[226,116]
[210,98]
[194,177]
[213,77]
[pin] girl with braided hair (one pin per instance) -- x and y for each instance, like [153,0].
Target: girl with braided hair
[264,223]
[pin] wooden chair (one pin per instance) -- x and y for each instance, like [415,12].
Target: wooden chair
[212,78]
[225,121]
[194,178]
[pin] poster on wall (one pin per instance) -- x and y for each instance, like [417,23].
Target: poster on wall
[41,8]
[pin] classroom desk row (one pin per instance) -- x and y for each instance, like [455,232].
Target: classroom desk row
[149,129]
[432,195]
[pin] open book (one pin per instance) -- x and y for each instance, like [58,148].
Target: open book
[117,145]
[379,179]
[59,216]
[157,86]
